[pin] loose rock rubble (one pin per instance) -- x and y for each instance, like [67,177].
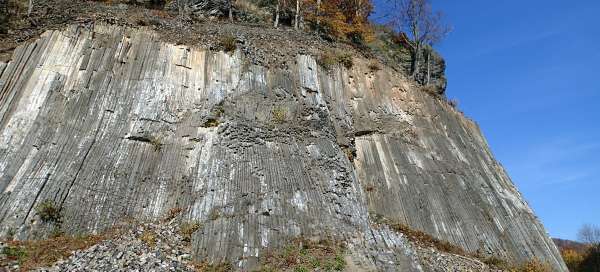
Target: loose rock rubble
[436,261]
[148,247]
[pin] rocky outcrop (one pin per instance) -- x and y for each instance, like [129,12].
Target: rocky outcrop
[112,123]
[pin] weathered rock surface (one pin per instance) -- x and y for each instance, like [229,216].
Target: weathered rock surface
[113,123]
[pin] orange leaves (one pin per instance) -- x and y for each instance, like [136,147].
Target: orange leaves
[343,19]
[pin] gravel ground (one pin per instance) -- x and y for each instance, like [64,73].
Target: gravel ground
[134,251]
[436,261]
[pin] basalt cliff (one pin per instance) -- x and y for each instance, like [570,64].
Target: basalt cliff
[112,123]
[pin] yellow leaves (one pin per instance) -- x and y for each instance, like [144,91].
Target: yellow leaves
[342,19]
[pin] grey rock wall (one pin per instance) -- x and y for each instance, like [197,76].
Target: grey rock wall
[112,123]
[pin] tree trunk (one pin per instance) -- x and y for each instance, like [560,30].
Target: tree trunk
[297,18]
[30,8]
[276,23]
[415,60]
[182,7]
[3,16]
[231,11]
[428,66]
[318,12]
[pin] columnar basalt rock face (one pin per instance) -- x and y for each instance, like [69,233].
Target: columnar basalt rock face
[111,123]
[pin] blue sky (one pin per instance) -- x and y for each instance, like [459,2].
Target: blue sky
[529,73]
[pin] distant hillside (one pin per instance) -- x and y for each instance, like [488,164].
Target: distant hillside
[568,244]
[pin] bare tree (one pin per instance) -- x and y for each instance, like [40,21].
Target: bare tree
[589,234]
[30,8]
[297,17]
[423,26]
[277,7]
[231,10]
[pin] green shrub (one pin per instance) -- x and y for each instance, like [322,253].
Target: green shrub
[279,115]
[345,59]
[14,252]
[48,212]
[211,122]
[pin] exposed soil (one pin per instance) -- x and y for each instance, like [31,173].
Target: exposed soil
[261,43]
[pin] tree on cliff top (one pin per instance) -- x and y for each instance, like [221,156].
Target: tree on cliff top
[420,23]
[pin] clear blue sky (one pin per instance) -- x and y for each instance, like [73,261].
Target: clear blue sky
[529,73]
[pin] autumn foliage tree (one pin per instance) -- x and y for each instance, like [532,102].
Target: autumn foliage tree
[342,19]
[585,258]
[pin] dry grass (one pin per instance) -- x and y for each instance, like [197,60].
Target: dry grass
[172,213]
[329,59]
[228,43]
[349,153]
[422,238]
[187,229]
[149,238]
[160,13]
[374,66]
[207,267]
[431,90]
[214,215]
[156,143]
[39,253]
[279,115]
[306,255]
[533,265]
